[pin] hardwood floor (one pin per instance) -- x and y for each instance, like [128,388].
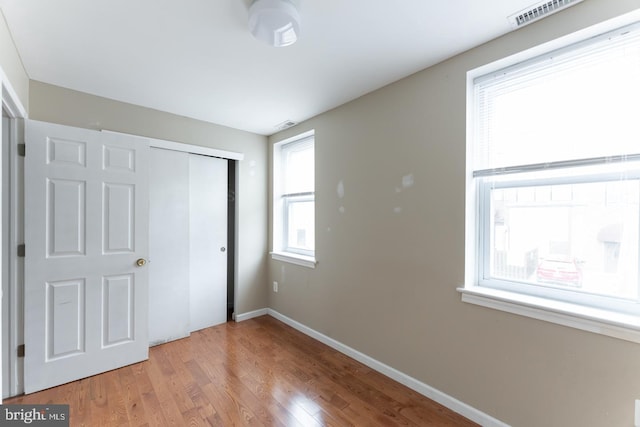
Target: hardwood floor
[259,372]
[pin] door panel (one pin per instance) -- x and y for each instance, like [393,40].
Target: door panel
[118,311]
[86,213]
[118,222]
[168,245]
[66,323]
[65,217]
[207,241]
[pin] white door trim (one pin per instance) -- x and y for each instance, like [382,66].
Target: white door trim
[10,100]
[16,112]
[187,148]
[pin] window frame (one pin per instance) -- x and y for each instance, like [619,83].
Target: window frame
[282,201]
[580,313]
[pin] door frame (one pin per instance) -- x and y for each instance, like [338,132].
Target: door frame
[12,209]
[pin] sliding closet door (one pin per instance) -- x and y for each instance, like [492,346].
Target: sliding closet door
[168,245]
[188,238]
[207,241]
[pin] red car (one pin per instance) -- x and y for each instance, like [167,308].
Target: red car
[559,271]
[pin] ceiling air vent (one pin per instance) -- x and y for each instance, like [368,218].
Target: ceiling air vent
[539,11]
[285,125]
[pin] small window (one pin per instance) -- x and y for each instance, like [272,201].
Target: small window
[553,197]
[294,197]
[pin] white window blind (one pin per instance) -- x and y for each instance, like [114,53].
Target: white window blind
[580,102]
[298,167]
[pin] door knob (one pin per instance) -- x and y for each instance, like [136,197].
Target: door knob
[141,261]
[222,249]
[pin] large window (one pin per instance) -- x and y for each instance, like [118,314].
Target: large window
[294,199]
[553,198]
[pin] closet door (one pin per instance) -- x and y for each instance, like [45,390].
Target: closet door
[207,241]
[168,245]
[188,235]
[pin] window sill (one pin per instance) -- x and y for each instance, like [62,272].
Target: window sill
[304,261]
[599,321]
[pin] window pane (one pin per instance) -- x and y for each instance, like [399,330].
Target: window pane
[299,168]
[581,237]
[301,230]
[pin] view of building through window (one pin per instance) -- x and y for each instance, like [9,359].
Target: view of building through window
[581,236]
[300,234]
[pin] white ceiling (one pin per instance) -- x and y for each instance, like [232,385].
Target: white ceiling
[196,58]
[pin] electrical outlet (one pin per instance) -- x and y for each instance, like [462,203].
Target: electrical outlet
[275,286]
[637,421]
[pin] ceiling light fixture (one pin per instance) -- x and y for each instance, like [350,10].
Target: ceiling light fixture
[275,22]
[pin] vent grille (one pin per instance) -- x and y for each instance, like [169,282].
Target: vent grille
[539,11]
[285,125]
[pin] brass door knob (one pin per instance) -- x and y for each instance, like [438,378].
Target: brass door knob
[140,262]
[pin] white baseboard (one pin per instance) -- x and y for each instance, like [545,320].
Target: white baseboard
[251,315]
[426,390]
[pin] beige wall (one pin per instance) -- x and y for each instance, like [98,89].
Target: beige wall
[11,64]
[57,105]
[389,264]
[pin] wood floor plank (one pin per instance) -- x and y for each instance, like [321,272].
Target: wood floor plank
[159,374]
[79,403]
[152,408]
[98,399]
[133,400]
[259,372]
[118,415]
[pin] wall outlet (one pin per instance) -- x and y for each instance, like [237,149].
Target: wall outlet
[275,286]
[637,421]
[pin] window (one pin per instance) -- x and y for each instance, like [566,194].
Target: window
[294,200]
[553,193]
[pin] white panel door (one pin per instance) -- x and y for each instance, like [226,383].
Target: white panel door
[168,245]
[86,212]
[207,241]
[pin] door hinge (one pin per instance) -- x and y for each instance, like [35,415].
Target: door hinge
[22,150]
[22,250]
[21,350]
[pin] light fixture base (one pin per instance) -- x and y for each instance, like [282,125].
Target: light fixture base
[275,22]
